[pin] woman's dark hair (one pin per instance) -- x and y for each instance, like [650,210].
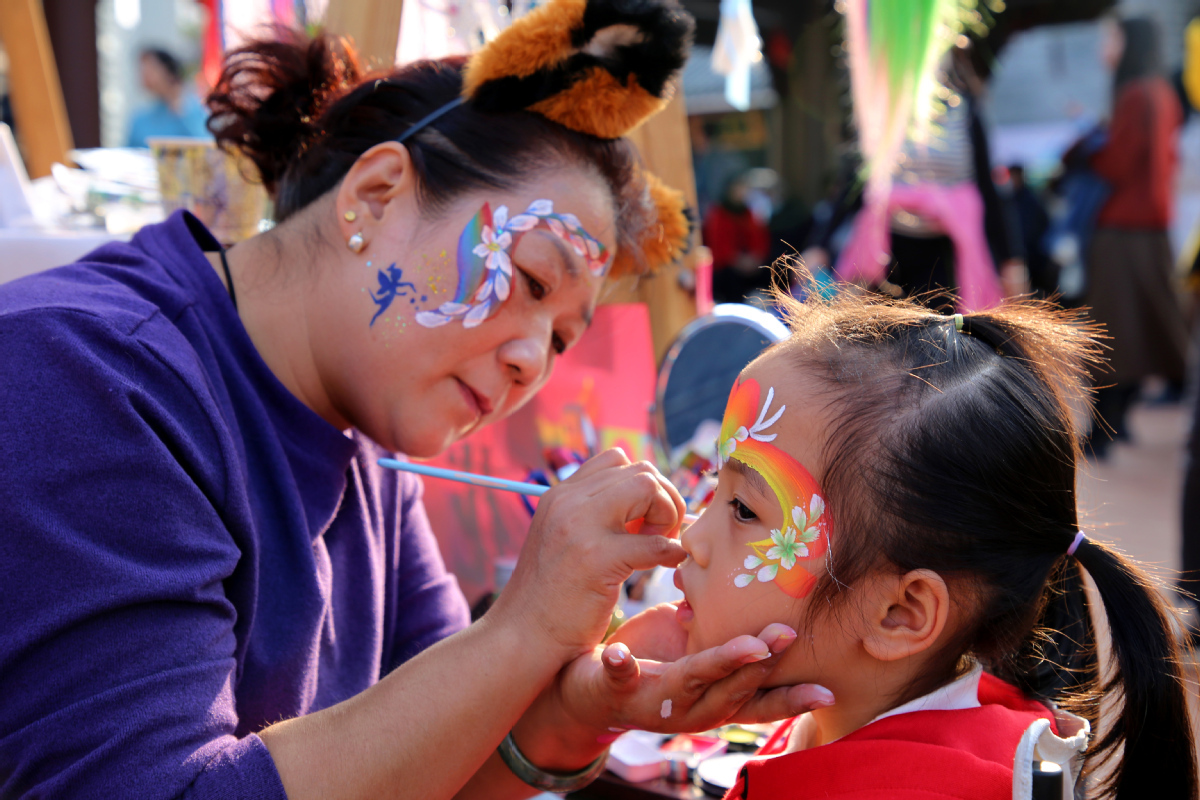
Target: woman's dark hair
[956,451]
[1142,55]
[168,62]
[303,111]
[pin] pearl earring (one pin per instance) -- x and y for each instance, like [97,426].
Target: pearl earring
[356,243]
[349,216]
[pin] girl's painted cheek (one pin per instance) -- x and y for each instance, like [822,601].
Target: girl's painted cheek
[793,554]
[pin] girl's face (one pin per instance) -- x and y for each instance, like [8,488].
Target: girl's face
[445,325]
[758,550]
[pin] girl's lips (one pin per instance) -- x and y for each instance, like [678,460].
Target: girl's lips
[683,610]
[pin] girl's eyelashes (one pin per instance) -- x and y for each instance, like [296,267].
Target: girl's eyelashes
[741,511]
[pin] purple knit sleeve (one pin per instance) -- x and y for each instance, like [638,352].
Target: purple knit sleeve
[117,645]
[427,604]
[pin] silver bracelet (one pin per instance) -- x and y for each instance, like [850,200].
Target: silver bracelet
[538,778]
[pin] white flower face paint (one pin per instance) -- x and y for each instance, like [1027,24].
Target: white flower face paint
[665,711]
[485,269]
[803,536]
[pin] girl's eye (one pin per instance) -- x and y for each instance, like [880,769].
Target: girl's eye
[742,512]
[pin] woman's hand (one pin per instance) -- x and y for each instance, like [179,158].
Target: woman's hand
[642,679]
[578,553]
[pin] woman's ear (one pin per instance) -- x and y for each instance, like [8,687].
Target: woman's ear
[380,175]
[909,615]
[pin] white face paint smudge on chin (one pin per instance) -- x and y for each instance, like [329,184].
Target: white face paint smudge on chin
[665,712]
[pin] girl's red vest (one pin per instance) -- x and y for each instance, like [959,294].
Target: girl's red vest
[932,755]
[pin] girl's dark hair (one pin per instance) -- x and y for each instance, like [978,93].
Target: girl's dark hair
[1142,55]
[303,110]
[956,451]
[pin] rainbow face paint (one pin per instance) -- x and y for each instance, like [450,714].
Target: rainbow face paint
[794,553]
[485,270]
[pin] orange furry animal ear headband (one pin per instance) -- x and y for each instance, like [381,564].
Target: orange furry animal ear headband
[600,67]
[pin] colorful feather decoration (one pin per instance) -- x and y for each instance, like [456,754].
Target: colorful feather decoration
[894,47]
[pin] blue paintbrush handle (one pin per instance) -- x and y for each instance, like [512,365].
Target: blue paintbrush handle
[475,479]
[532,489]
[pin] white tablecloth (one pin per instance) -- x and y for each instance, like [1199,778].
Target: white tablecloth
[25,251]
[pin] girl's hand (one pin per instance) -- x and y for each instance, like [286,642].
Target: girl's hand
[643,680]
[568,577]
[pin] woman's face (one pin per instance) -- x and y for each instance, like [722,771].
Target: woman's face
[440,326]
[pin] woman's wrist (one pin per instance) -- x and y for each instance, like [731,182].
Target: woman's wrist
[550,738]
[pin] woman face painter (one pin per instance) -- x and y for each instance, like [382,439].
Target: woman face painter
[211,587]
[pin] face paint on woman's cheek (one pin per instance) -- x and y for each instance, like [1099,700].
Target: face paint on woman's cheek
[794,554]
[484,260]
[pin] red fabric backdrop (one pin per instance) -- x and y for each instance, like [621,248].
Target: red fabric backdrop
[607,379]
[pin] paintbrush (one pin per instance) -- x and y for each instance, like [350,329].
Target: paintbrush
[486,481]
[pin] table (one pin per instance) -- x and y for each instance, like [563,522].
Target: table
[612,787]
[24,251]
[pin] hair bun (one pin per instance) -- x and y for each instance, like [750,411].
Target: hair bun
[271,94]
[596,66]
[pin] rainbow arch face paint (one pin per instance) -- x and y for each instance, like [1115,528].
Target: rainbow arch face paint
[485,269]
[794,554]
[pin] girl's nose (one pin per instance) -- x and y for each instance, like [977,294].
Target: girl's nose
[695,542]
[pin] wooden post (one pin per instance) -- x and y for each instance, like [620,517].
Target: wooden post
[374,25]
[37,98]
[666,149]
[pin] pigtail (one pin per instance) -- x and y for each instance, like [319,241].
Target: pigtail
[1152,729]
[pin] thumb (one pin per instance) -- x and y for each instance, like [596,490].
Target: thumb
[621,669]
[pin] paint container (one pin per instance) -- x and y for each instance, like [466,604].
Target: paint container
[222,189]
[741,740]
[684,753]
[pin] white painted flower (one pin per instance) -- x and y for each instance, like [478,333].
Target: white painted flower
[767,573]
[494,249]
[571,221]
[477,314]
[502,285]
[752,562]
[540,207]
[807,524]
[816,508]
[784,549]
[522,222]
[500,217]
[742,581]
[759,425]
[432,319]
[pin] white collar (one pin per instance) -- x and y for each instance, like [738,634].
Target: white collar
[956,695]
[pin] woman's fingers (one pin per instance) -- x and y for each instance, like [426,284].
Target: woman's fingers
[645,552]
[784,702]
[620,667]
[577,553]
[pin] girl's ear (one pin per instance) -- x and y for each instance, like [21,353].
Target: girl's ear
[909,616]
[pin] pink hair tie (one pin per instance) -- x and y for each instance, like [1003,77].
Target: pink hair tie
[1079,537]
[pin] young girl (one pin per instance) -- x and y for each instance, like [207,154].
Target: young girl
[902,484]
